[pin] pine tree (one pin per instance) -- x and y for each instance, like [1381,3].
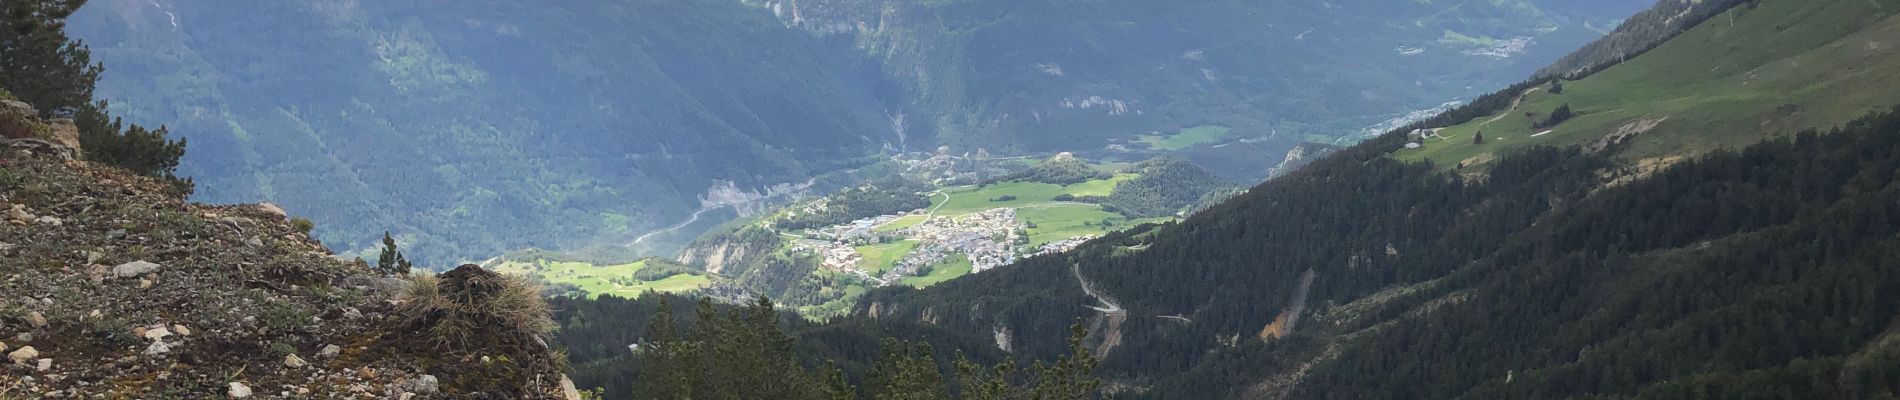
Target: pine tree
[662,369]
[1072,376]
[38,63]
[41,66]
[906,372]
[391,261]
[1479,139]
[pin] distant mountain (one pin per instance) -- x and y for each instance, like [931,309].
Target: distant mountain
[470,129]
[1704,232]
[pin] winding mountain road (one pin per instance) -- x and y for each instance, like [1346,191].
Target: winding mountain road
[1108,305]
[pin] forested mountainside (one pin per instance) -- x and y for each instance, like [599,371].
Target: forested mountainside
[1073,72]
[1753,263]
[471,129]
[474,129]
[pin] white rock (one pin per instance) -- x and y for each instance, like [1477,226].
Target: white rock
[238,391]
[134,269]
[45,364]
[157,347]
[157,332]
[351,313]
[293,361]
[568,390]
[181,330]
[425,385]
[406,396]
[50,220]
[273,210]
[36,320]
[329,350]
[23,355]
[18,213]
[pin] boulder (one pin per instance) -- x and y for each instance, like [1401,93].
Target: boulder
[329,351]
[36,320]
[156,333]
[238,391]
[272,209]
[158,347]
[18,213]
[65,133]
[134,269]
[292,361]
[567,389]
[24,354]
[17,107]
[427,384]
[382,285]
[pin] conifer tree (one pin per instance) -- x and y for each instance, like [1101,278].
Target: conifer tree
[391,261]
[1479,139]
[40,65]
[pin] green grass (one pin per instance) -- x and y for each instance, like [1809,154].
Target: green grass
[1782,67]
[958,265]
[971,199]
[902,222]
[1186,137]
[1063,221]
[1453,37]
[880,257]
[595,279]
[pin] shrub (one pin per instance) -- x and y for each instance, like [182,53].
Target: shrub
[302,224]
[472,309]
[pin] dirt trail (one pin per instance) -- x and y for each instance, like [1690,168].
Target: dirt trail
[1514,103]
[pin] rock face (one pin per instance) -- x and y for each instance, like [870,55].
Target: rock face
[567,389]
[65,132]
[17,107]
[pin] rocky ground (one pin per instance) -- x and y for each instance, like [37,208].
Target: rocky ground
[110,287]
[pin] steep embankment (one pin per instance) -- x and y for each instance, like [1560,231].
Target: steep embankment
[115,288]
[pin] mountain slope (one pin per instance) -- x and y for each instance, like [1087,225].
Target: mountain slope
[563,123]
[1079,72]
[117,288]
[1770,69]
[471,130]
[1549,273]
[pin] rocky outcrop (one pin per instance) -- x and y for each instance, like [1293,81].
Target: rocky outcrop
[120,280]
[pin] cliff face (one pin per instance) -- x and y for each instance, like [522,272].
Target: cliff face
[115,288]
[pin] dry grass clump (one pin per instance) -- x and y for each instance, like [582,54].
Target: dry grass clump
[472,309]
